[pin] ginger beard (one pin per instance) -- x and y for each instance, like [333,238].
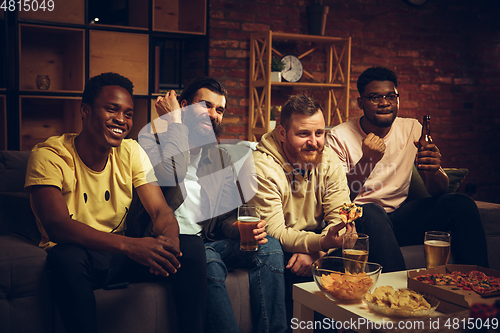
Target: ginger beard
[303,156]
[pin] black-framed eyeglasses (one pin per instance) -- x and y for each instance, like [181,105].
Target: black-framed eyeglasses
[377,99]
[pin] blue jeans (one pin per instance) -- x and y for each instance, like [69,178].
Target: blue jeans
[267,285]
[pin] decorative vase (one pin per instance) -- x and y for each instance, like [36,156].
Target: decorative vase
[316,19]
[42,82]
[275,76]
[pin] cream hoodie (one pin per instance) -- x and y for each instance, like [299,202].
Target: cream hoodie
[297,207]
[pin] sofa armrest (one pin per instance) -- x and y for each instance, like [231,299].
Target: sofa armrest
[16,215]
[13,165]
[25,299]
[490,216]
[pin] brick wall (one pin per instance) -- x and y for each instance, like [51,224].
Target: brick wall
[446,53]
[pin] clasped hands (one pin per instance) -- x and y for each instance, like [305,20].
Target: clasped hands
[159,253]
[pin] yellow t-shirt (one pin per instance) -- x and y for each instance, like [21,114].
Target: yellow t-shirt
[98,199]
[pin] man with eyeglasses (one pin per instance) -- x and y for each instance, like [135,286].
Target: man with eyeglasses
[378,151]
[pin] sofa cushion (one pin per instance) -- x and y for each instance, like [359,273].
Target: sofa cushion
[16,215]
[456,177]
[141,307]
[417,186]
[13,170]
[238,287]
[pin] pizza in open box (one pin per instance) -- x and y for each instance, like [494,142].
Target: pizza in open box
[477,281]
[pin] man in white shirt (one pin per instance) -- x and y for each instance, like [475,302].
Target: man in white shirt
[191,161]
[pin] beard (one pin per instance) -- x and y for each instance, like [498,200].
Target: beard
[380,123]
[198,134]
[302,160]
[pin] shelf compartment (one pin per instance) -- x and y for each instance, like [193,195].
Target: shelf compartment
[72,12]
[56,52]
[176,62]
[153,115]
[42,117]
[140,116]
[3,122]
[122,52]
[125,13]
[3,53]
[180,16]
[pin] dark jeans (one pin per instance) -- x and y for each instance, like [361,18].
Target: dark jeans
[76,272]
[454,213]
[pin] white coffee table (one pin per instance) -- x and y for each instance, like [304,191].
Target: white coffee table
[307,298]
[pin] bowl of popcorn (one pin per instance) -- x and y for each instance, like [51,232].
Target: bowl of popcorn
[333,277]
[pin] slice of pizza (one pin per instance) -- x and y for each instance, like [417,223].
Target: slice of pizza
[483,284]
[350,212]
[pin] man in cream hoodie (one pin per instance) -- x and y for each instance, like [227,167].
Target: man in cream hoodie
[301,187]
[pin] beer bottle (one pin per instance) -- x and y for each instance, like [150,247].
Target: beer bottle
[425,138]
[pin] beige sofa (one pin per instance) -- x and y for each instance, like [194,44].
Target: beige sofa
[25,301]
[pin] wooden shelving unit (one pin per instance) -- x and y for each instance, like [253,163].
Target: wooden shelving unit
[331,74]
[141,40]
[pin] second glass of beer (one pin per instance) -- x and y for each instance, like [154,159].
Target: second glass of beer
[436,248]
[355,246]
[248,218]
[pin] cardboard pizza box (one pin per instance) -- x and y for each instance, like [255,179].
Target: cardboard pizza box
[452,299]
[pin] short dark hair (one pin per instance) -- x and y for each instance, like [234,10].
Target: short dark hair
[298,104]
[94,86]
[189,92]
[375,74]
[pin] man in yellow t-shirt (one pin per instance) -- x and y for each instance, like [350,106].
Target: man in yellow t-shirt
[81,188]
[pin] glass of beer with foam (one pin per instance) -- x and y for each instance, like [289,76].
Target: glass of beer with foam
[248,218]
[355,246]
[436,248]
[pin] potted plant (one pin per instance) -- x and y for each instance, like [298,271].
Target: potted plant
[276,68]
[275,114]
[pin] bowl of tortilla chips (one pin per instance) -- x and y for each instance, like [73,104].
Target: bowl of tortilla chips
[334,280]
[402,303]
